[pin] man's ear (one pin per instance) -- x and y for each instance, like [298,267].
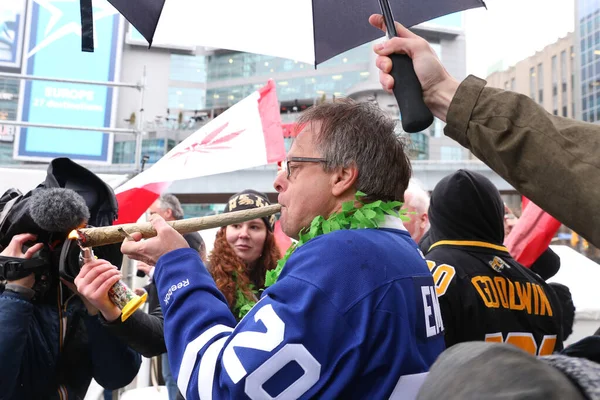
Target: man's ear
[169,214]
[424,220]
[344,179]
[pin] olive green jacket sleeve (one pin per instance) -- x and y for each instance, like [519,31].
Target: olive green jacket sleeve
[553,161]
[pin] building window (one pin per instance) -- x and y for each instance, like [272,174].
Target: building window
[532,83]
[563,80]
[450,153]
[563,66]
[555,84]
[6,153]
[419,146]
[572,77]
[302,89]
[232,65]
[187,68]
[512,84]
[564,111]
[540,82]
[9,99]
[181,98]
[124,152]
[506,85]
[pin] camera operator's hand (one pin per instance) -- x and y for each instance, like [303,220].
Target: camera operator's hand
[150,250]
[93,283]
[15,249]
[438,85]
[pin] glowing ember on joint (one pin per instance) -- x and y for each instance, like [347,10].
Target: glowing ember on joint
[77,235]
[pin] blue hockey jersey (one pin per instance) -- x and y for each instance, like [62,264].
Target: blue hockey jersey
[354,314]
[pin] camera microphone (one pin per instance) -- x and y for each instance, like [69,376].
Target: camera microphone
[58,210]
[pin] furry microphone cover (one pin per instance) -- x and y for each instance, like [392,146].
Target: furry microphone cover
[58,209]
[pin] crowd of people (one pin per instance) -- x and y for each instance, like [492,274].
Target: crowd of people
[363,305]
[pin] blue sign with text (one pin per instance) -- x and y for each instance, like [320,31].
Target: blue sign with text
[54,50]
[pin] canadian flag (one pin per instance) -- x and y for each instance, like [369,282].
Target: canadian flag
[247,135]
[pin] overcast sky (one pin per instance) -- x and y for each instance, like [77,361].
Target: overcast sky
[511,30]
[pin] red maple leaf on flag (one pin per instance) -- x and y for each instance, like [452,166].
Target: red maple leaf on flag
[209,143]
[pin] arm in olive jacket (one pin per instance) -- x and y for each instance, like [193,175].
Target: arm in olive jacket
[554,161]
[142,332]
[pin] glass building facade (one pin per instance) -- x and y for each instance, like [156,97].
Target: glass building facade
[220,80]
[588,29]
[9,104]
[9,99]
[124,152]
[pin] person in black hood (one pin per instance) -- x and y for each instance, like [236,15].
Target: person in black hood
[484,294]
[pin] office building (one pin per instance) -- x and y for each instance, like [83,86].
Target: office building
[548,77]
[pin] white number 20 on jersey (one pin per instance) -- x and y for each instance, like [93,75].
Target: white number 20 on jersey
[268,341]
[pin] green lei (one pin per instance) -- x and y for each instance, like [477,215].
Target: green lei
[352,216]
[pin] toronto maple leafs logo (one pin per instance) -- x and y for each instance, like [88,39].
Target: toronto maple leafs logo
[212,141]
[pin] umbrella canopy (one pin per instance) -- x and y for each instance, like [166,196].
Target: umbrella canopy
[311,31]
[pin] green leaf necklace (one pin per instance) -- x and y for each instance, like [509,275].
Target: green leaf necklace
[354,215]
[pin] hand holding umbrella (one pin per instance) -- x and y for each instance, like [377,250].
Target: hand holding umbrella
[407,89]
[437,84]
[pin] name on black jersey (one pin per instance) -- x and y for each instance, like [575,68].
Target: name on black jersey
[499,292]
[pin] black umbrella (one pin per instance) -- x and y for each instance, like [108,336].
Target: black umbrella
[312,31]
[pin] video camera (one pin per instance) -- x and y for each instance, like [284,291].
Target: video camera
[51,219]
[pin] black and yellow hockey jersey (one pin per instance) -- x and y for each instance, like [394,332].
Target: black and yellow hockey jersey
[484,293]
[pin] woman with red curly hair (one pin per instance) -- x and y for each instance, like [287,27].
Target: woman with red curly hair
[243,252]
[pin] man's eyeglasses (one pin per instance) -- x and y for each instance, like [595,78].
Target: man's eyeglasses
[285,164]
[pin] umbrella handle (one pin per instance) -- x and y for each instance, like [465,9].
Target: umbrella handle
[409,95]
[407,88]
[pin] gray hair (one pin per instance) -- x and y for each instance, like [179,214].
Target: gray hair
[169,201]
[420,198]
[361,134]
